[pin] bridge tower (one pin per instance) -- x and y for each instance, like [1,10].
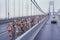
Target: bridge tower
[51,8]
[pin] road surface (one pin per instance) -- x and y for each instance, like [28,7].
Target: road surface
[49,31]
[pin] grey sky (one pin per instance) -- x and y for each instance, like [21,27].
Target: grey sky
[44,4]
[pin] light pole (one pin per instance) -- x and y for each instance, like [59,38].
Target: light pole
[5,8]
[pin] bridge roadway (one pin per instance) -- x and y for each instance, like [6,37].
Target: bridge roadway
[3,32]
[49,31]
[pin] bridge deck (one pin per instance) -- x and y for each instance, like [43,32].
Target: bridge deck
[3,32]
[49,31]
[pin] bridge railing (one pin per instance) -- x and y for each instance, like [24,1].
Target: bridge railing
[31,33]
[3,21]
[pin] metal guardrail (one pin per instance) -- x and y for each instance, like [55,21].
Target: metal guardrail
[31,33]
[3,21]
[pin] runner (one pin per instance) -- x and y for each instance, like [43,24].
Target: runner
[18,27]
[16,31]
[29,23]
[32,22]
[10,29]
[25,24]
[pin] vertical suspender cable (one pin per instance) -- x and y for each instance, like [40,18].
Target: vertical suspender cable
[14,9]
[0,9]
[19,8]
[31,9]
[53,9]
[27,7]
[34,10]
[22,8]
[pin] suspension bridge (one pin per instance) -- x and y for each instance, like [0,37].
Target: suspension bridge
[44,27]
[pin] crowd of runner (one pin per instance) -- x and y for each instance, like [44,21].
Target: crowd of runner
[18,26]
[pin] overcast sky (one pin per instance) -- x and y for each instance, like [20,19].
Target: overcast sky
[25,9]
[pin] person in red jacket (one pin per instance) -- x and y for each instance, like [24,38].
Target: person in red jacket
[10,29]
